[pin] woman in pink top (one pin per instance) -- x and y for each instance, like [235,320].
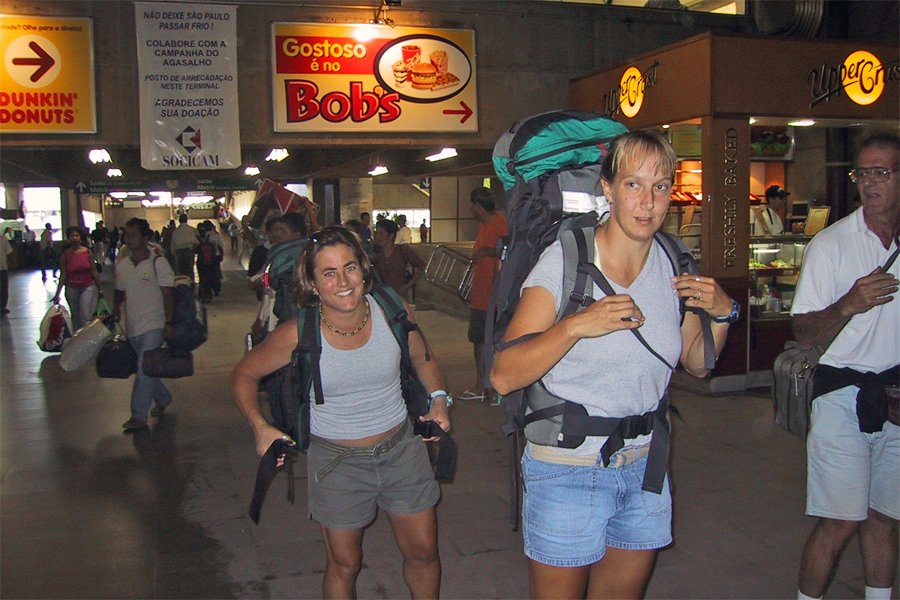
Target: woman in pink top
[78,273]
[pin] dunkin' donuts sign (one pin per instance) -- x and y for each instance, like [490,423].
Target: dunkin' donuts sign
[366,78]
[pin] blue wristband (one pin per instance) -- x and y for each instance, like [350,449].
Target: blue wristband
[438,394]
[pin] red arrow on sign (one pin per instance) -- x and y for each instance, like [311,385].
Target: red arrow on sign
[466,112]
[44,61]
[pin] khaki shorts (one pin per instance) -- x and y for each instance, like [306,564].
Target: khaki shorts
[394,475]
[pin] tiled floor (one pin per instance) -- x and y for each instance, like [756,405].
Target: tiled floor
[87,512]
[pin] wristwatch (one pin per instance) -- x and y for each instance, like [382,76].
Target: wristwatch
[734,316]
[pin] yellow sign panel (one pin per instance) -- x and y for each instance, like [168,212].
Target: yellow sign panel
[47,77]
[367,78]
[863,77]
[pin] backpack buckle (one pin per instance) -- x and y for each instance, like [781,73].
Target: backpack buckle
[634,426]
[580,299]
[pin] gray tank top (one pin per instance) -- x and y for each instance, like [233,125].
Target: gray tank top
[361,386]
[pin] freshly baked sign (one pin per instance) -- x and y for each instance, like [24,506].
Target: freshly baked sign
[368,78]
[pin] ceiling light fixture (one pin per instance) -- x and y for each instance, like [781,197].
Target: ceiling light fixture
[381,17]
[278,154]
[666,126]
[752,120]
[802,123]
[378,170]
[444,153]
[114,172]
[99,155]
[251,171]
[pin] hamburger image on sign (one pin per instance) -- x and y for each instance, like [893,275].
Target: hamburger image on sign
[423,75]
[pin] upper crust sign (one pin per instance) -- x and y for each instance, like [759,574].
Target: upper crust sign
[366,78]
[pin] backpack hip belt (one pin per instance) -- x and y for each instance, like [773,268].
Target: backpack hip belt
[577,424]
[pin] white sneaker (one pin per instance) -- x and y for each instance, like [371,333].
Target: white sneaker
[471,395]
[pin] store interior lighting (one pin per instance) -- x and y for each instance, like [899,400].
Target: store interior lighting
[802,123]
[99,155]
[113,172]
[378,170]
[443,154]
[251,171]
[278,154]
[752,120]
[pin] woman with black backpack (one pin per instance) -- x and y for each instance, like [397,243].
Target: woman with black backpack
[363,454]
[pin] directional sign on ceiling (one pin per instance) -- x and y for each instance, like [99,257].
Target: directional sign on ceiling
[47,75]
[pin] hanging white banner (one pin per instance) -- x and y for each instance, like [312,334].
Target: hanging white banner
[187,69]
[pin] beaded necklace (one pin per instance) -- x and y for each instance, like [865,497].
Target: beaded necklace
[345,333]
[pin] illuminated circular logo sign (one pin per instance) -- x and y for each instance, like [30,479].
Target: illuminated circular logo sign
[631,96]
[863,77]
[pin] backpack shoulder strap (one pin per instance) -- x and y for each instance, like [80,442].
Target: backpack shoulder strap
[578,249]
[309,350]
[398,320]
[681,258]
[683,262]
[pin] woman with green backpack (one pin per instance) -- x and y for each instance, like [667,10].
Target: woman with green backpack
[597,510]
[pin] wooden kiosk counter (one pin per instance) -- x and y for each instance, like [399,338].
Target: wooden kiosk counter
[709,87]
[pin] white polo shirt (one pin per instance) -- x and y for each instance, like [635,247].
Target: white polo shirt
[833,261]
[144,308]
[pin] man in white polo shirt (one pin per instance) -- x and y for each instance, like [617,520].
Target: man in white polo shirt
[846,302]
[144,282]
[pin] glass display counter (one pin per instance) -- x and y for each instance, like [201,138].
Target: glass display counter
[774,267]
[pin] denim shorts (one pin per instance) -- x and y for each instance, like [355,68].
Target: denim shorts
[571,514]
[848,471]
[400,481]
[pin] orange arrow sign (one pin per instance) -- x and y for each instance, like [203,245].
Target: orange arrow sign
[44,61]
[466,112]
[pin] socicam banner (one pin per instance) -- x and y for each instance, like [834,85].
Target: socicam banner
[370,78]
[187,70]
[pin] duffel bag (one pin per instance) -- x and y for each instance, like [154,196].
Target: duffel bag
[117,359]
[168,363]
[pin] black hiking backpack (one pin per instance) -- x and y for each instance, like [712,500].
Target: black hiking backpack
[550,167]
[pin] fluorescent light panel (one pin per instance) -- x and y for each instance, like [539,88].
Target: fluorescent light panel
[99,155]
[444,153]
[378,170]
[278,154]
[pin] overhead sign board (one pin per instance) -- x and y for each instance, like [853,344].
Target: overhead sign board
[47,77]
[368,78]
[105,186]
[187,74]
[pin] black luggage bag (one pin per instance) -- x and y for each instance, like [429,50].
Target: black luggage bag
[168,363]
[116,359]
